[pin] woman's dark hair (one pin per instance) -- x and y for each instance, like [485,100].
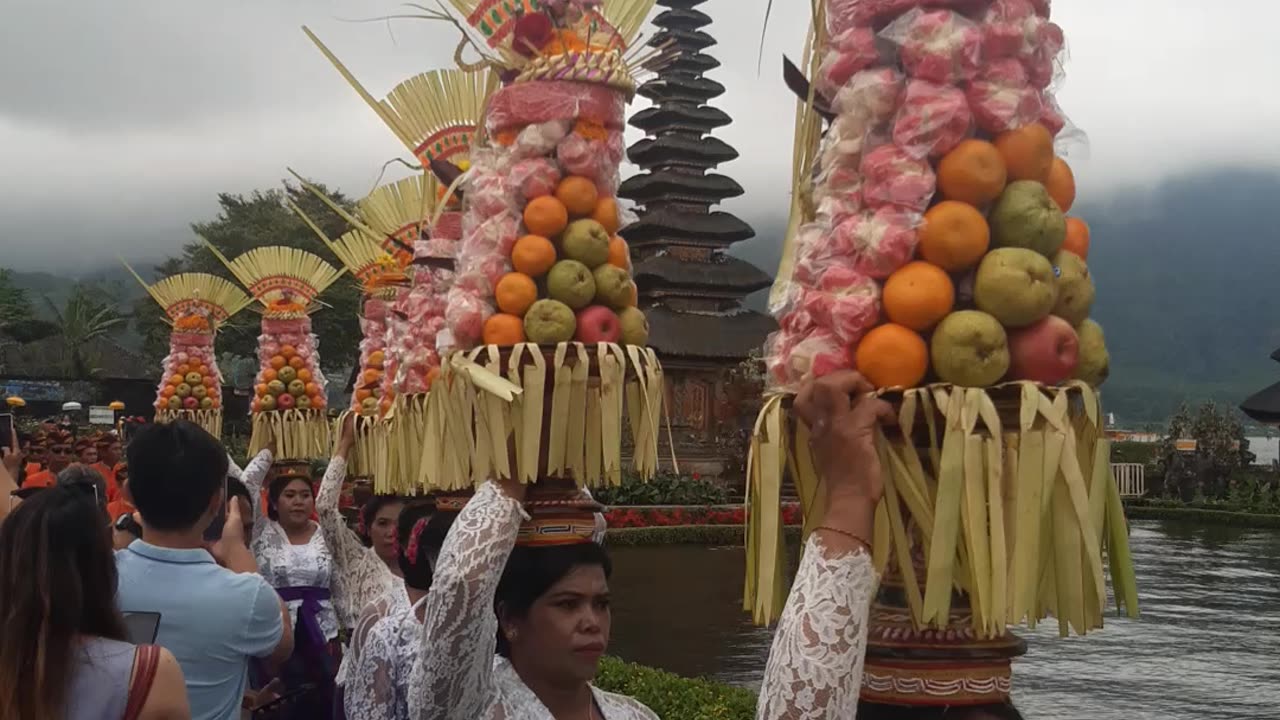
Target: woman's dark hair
[369,512]
[81,474]
[531,571]
[417,567]
[175,471]
[57,582]
[277,486]
[992,711]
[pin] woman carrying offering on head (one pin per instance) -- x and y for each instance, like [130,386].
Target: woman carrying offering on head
[365,565]
[542,605]
[378,685]
[293,556]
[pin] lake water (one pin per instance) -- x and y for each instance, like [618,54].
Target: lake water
[1207,645]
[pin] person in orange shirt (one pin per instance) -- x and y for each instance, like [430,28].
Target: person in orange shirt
[123,502]
[37,451]
[60,456]
[108,450]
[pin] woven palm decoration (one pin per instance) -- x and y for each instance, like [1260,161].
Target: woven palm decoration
[195,304]
[400,212]
[434,113]
[289,392]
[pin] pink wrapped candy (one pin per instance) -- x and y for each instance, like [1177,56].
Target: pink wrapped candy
[849,52]
[1002,99]
[1008,26]
[1051,116]
[870,97]
[540,139]
[533,177]
[594,159]
[466,316]
[933,119]
[880,242]
[487,194]
[938,45]
[893,178]
[1042,60]
[845,301]
[817,354]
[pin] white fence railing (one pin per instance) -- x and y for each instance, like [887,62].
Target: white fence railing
[1131,478]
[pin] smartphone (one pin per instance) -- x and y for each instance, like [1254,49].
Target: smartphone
[213,533]
[6,430]
[270,709]
[141,628]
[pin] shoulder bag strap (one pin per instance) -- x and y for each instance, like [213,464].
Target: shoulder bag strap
[145,662]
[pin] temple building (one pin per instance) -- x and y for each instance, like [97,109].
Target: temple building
[690,288]
[1264,405]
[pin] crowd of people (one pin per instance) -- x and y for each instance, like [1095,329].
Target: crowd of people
[245,592]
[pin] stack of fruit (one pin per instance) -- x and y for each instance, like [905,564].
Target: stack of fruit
[939,248]
[571,277]
[195,304]
[288,375]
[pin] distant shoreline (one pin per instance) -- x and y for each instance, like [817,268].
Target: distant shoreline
[1138,510]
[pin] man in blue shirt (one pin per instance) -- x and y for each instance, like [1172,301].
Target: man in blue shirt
[215,614]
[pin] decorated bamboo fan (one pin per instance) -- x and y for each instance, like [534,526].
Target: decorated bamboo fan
[195,304]
[289,391]
[929,248]
[402,211]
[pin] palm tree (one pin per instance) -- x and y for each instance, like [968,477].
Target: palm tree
[83,320]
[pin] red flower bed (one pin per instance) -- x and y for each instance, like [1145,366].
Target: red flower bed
[665,516]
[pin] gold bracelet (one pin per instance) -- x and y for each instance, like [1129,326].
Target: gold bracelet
[847,534]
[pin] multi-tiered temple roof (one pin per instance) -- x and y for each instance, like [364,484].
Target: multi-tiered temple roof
[691,289]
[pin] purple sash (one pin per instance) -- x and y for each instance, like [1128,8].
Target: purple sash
[308,613]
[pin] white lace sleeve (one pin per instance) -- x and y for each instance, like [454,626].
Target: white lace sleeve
[370,693]
[453,675]
[815,666]
[359,575]
[252,476]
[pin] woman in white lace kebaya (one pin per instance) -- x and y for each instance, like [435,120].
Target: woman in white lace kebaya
[378,682]
[293,556]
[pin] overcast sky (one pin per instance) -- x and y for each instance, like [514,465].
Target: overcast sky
[120,121]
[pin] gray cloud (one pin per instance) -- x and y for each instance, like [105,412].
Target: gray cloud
[121,121]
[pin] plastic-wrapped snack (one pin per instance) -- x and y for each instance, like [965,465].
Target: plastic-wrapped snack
[1002,98]
[533,177]
[540,139]
[1042,59]
[1008,26]
[879,242]
[937,45]
[850,52]
[932,120]
[846,302]
[869,98]
[819,353]
[891,177]
[1051,115]
[195,304]
[845,14]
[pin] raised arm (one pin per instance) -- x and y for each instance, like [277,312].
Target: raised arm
[453,675]
[253,476]
[360,576]
[815,665]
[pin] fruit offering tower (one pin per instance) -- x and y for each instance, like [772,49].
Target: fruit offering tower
[930,249]
[543,308]
[289,392]
[435,115]
[195,304]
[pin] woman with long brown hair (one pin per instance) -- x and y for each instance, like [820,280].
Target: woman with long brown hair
[63,654]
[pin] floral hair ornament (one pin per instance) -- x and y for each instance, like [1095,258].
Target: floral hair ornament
[411,553]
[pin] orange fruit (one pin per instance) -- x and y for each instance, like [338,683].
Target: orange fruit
[312,389]
[278,361]
[1027,152]
[183,369]
[533,255]
[288,351]
[503,329]
[432,374]
[1077,237]
[515,293]
[954,236]
[371,376]
[170,390]
[363,394]
[918,295]
[377,358]
[1061,184]
[269,374]
[297,363]
[177,379]
[606,213]
[973,172]
[578,194]
[546,216]
[892,356]
[304,375]
[260,389]
[619,253]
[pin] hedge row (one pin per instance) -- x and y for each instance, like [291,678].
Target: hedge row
[686,535]
[1139,511]
[666,515]
[673,697]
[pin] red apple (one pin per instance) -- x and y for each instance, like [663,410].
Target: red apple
[1046,352]
[190,403]
[598,324]
[285,402]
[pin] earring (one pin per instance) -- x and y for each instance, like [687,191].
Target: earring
[512,634]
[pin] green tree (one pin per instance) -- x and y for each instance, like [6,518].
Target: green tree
[259,219]
[17,321]
[1205,473]
[86,317]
